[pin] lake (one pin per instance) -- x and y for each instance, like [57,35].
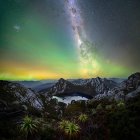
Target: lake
[67,98]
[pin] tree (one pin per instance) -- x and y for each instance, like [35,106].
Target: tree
[72,129]
[29,126]
[63,124]
[69,128]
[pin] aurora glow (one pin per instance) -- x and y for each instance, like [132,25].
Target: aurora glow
[51,39]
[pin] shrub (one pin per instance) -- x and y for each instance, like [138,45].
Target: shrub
[83,118]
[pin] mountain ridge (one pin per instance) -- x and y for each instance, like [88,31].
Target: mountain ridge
[91,86]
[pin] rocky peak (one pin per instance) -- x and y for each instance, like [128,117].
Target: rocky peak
[131,83]
[127,89]
[60,86]
[134,76]
[61,80]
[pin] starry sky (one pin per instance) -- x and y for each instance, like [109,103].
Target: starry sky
[50,39]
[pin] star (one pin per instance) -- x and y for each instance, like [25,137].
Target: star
[17,27]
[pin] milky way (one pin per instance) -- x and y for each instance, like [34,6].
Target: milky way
[88,64]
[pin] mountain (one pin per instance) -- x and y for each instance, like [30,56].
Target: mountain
[77,81]
[126,89]
[11,92]
[117,80]
[43,87]
[29,84]
[96,88]
[90,87]
[35,84]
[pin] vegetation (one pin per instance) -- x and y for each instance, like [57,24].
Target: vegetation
[72,129]
[29,127]
[88,120]
[63,124]
[83,118]
[69,129]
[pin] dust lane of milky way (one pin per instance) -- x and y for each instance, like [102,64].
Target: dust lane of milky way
[88,64]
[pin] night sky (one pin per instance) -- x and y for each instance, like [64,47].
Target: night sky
[50,39]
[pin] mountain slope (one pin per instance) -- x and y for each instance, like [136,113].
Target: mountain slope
[11,91]
[90,87]
[127,89]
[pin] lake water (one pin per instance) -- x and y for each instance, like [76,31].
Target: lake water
[68,99]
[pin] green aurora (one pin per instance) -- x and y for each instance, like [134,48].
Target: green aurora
[36,46]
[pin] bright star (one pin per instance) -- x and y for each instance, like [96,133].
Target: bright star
[17,28]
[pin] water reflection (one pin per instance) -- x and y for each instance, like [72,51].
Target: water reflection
[68,99]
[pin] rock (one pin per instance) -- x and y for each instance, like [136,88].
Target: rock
[133,93]
[14,92]
[129,88]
